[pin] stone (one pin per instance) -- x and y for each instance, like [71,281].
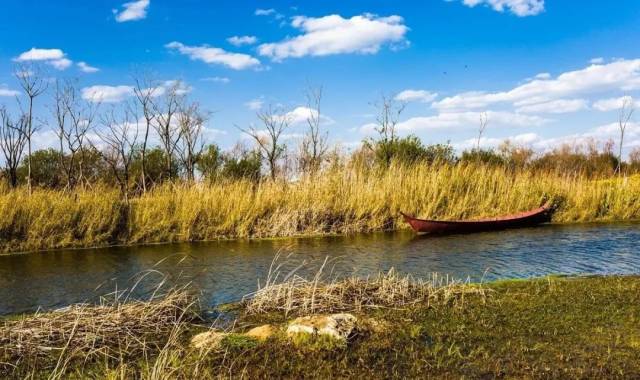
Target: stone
[261,332]
[338,326]
[209,340]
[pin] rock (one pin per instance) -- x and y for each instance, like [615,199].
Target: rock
[338,326]
[261,332]
[209,340]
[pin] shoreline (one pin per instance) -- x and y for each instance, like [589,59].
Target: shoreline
[293,237]
[528,327]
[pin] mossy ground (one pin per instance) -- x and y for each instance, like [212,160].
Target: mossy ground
[545,328]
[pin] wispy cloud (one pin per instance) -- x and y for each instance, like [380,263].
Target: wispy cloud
[254,104]
[85,68]
[217,79]
[242,40]
[213,55]
[329,35]
[269,12]
[521,8]
[5,91]
[416,96]
[132,11]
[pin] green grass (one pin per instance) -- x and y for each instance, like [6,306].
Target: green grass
[556,327]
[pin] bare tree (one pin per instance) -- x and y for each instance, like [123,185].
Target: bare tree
[74,117]
[33,84]
[625,113]
[119,136]
[314,144]
[389,111]
[13,139]
[484,120]
[191,122]
[275,122]
[166,109]
[145,91]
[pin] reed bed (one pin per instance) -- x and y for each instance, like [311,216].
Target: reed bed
[292,293]
[340,201]
[87,334]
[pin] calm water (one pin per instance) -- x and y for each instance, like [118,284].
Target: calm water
[225,271]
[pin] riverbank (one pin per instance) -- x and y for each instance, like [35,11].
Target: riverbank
[338,202]
[584,327]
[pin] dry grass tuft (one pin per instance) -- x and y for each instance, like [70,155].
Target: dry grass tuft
[87,333]
[296,294]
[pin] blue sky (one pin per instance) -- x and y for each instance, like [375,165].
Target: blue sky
[545,72]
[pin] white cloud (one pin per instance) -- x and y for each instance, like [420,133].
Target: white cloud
[464,120]
[107,94]
[596,61]
[543,76]
[524,139]
[416,96]
[614,103]
[520,8]
[213,55]
[470,119]
[217,79]
[555,106]
[242,40]
[622,75]
[36,54]
[54,57]
[269,12]
[328,35]
[134,10]
[5,91]
[85,68]
[300,115]
[254,104]
[265,12]
[61,64]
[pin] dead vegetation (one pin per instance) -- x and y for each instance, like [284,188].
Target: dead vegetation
[84,334]
[292,293]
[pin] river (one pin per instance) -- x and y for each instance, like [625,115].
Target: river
[227,270]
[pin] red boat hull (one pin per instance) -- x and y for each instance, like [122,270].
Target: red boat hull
[524,219]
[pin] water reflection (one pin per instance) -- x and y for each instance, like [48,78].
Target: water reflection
[225,271]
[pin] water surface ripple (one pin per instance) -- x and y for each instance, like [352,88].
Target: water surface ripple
[225,271]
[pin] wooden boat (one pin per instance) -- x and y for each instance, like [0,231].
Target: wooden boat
[523,219]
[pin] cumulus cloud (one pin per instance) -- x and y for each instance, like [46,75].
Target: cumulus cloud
[555,106]
[54,57]
[621,75]
[520,8]
[107,94]
[213,55]
[86,68]
[132,11]
[328,35]
[611,104]
[416,96]
[596,61]
[300,115]
[242,40]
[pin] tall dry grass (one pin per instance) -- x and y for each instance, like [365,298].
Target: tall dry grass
[340,201]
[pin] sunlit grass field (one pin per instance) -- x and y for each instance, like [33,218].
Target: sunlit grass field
[339,201]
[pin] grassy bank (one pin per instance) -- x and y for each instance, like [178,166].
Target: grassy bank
[543,328]
[337,202]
